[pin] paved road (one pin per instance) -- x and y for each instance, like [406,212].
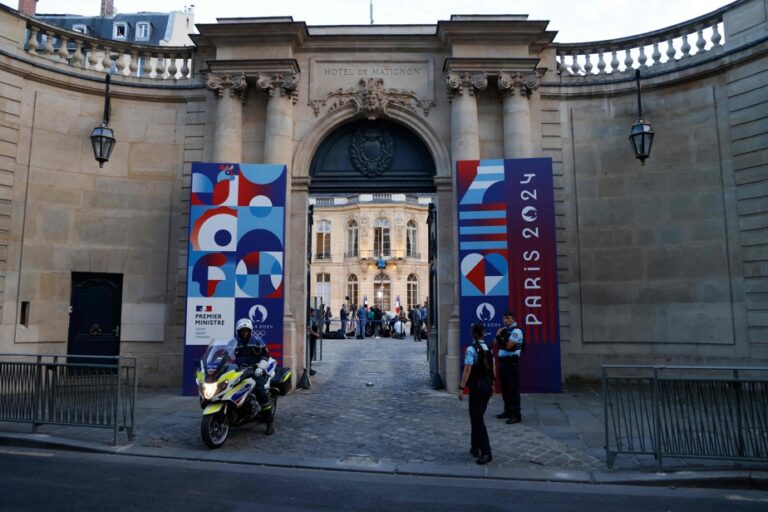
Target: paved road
[42,480]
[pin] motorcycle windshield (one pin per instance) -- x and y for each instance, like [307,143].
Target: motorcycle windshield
[219,357]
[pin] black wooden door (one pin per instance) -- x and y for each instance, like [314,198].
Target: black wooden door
[94,321]
[433,347]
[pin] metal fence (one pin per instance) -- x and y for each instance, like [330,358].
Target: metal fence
[85,391]
[686,411]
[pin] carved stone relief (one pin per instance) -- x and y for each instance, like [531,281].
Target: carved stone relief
[373,99]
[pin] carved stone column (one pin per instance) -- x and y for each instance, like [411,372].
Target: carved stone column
[465,133]
[228,138]
[278,132]
[463,89]
[516,89]
[278,149]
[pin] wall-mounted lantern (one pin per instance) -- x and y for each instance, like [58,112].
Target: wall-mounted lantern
[641,135]
[103,137]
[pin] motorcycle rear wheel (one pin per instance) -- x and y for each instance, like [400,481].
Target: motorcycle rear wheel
[214,429]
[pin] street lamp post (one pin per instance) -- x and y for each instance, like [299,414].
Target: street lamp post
[103,137]
[641,135]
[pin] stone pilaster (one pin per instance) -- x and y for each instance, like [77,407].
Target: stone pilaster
[465,133]
[278,149]
[516,89]
[228,137]
[282,95]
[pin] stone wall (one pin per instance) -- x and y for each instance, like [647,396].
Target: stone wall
[60,213]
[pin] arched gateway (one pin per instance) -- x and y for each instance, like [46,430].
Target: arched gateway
[387,161]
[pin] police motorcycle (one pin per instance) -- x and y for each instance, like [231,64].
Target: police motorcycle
[227,388]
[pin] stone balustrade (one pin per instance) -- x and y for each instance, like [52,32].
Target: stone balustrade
[122,59]
[660,50]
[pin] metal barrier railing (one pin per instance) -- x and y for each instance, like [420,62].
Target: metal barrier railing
[686,411]
[86,391]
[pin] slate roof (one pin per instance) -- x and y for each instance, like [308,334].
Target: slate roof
[102,26]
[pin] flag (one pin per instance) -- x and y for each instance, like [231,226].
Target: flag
[397,305]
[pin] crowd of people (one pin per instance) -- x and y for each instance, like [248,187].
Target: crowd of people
[365,321]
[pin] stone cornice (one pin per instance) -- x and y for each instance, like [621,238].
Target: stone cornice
[473,83]
[490,66]
[254,67]
[496,31]
[263,31]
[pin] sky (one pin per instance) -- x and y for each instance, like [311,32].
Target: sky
[575,20]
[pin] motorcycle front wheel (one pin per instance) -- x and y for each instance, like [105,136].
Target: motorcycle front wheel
[214,429]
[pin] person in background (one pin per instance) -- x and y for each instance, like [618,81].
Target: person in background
[327,315]
[314,333]
[344,317]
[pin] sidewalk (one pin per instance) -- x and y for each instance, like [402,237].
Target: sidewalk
[370,408]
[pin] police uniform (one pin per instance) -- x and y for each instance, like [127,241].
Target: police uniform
[480,385]
[509,373]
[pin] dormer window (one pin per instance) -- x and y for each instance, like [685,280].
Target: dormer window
[119,30]
[83,29]
[143,31]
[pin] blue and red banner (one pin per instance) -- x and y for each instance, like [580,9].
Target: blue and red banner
[508,259]
[236,257]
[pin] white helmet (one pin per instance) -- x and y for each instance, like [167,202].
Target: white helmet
[244,323]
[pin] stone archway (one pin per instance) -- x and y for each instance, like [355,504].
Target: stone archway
[442,188]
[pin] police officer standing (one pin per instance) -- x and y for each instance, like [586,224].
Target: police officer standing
[510,341]
[479,375]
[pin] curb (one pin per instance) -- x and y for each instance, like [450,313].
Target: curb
[726,479]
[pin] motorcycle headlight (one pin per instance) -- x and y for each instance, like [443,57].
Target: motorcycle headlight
[209,389]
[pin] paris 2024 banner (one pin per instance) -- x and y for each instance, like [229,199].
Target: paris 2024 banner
[508,259]
[236,257]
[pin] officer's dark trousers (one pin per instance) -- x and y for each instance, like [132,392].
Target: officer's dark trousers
[263,398]
[479,394]
[509,377]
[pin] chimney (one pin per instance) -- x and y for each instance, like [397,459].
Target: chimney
[28,7]
[107,8]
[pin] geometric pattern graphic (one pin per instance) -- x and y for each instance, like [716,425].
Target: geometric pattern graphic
[211,275]
[236,249]
[486,275]
[260,274]
[486,174]
[507,258]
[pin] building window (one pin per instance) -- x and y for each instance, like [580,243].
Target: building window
[382,292]
[411,240]
[352,243]
[412,297]
[352,290]
[323,289]
[323,240]
[119,30]
[142,31]
[83,29]
[381,245]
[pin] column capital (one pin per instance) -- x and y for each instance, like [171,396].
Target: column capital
[235,84]
[511,82]
[457,82]
[285,83]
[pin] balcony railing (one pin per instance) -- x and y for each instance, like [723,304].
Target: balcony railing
[118,58]
[660,50]
[323,256]
[394,254]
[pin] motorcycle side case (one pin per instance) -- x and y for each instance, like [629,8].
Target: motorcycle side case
[282,380]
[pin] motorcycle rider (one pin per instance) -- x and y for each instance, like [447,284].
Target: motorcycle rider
[250,351]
